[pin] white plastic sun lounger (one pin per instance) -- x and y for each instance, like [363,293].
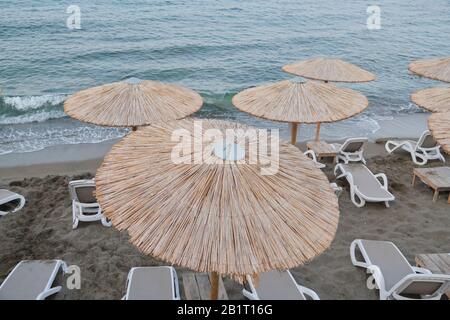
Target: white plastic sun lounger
[426,148]
[392,274]
[277,285]
[32,280]
[152,283]
[364,185]
[84,204]
[351,150]
[10,202]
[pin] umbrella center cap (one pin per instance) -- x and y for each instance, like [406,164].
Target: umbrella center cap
[228,151]
[133,80]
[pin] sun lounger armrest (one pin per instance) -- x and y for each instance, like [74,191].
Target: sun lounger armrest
[421,270]
[175,284]
[377,276]
[48,292]
[339,172]
[308,292]
[311,154]
[384,181]
[60,265]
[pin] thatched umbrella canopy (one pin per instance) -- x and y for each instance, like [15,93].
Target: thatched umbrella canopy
[326,69]
[433,99]
[214,216]
[301,102]
[132,103]
[437,69]
[439,125]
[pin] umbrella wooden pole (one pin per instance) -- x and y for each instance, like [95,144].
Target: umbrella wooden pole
[214,285]
[318,131]
[294,127]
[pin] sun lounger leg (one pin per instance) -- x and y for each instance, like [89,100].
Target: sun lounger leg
[106,222]
[308,292]
[48,293]
[75,220]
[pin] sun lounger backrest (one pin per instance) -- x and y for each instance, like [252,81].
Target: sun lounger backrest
[27,280]
[86,194]
[422,288]
[10,205]
[276,285]
[365,181]
[353,145]
[83,191]
[151,283]
[427,141]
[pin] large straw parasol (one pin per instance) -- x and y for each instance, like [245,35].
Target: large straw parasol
[132,103]
[439,125]
[433,99]
[209,216]
[437,69]
[326,69]
[301,102]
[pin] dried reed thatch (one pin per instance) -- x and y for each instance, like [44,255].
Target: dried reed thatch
[305,102]
[433,99]
[132,103]
[437,69]
[326,69]
[225,218]
[439,125]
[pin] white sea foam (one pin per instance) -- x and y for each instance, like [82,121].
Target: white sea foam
[32,117]
[24,103]
[27,139]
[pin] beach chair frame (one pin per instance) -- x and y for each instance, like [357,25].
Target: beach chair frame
[395,293]
[355,156]
[419,155]
[79,208]
[358,198]
[48,291]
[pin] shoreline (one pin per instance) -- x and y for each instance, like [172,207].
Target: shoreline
[87,157]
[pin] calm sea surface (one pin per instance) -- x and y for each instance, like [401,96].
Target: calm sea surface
[215,47]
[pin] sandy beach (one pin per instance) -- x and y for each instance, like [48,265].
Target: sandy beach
[42,230]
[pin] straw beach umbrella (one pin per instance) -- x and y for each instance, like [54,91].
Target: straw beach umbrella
[215,215]
[300,102]
[132,103]
[439,125]
[433,99]
[437,69]
[327,69]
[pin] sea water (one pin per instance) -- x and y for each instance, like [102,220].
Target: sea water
[217,48]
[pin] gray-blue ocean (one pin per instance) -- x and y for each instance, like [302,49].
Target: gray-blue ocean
[215,47]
